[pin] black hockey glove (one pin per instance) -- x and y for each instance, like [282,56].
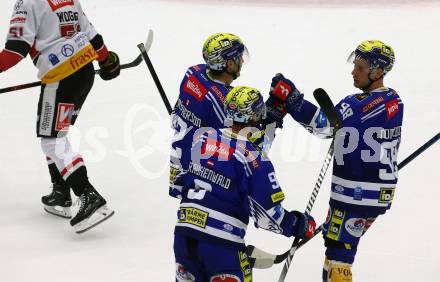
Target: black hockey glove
[275,111]
[110,68]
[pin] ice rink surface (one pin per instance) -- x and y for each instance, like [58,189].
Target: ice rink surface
[123,133]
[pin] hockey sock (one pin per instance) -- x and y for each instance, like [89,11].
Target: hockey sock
[69,163]
[78,180]
[339,272]
[55,175]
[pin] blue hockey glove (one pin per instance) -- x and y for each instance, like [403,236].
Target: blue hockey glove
[285,90]
[305,225]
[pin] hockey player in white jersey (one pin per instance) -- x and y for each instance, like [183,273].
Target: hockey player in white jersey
[63,45]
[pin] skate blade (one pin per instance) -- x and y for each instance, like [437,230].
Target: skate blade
[63,212]
[99,216]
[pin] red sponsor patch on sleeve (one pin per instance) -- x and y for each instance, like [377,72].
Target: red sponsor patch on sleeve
[195,88]
[392,108]
[57,4]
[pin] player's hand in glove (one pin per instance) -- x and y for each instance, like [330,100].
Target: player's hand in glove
[110,67]
[305,225]
[286,91]
[275,111]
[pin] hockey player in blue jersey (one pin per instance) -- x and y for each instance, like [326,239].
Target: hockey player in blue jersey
[228,181]
[202,95]
[365,165]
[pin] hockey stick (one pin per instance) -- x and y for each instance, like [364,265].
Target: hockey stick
[420,150]
[259,258]
[329,110]
[147,60]
[132,64]
[402,164]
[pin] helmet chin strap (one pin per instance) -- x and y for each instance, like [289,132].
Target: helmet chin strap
[235,74]
[370,81]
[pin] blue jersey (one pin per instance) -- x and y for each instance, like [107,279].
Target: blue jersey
[226,182]
[365,163]
[200,104]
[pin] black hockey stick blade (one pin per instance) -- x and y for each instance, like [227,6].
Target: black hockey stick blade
[327,107]
[132,64]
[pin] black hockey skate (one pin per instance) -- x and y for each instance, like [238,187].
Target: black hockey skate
[92,211]
[58,202]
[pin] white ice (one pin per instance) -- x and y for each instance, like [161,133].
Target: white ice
[123,133]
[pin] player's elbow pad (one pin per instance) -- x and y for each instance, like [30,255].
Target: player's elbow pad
[14,52]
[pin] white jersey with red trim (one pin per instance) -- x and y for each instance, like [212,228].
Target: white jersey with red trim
[59,33]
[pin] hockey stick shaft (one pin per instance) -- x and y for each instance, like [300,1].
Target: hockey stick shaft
[420,150]
[132,64]
[328,108]
[38,83]
[310,205]
[155,78]
[401,165]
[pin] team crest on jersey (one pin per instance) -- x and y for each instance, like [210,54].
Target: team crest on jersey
[64,116]
[58,4]
[195,88]
[392,108]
